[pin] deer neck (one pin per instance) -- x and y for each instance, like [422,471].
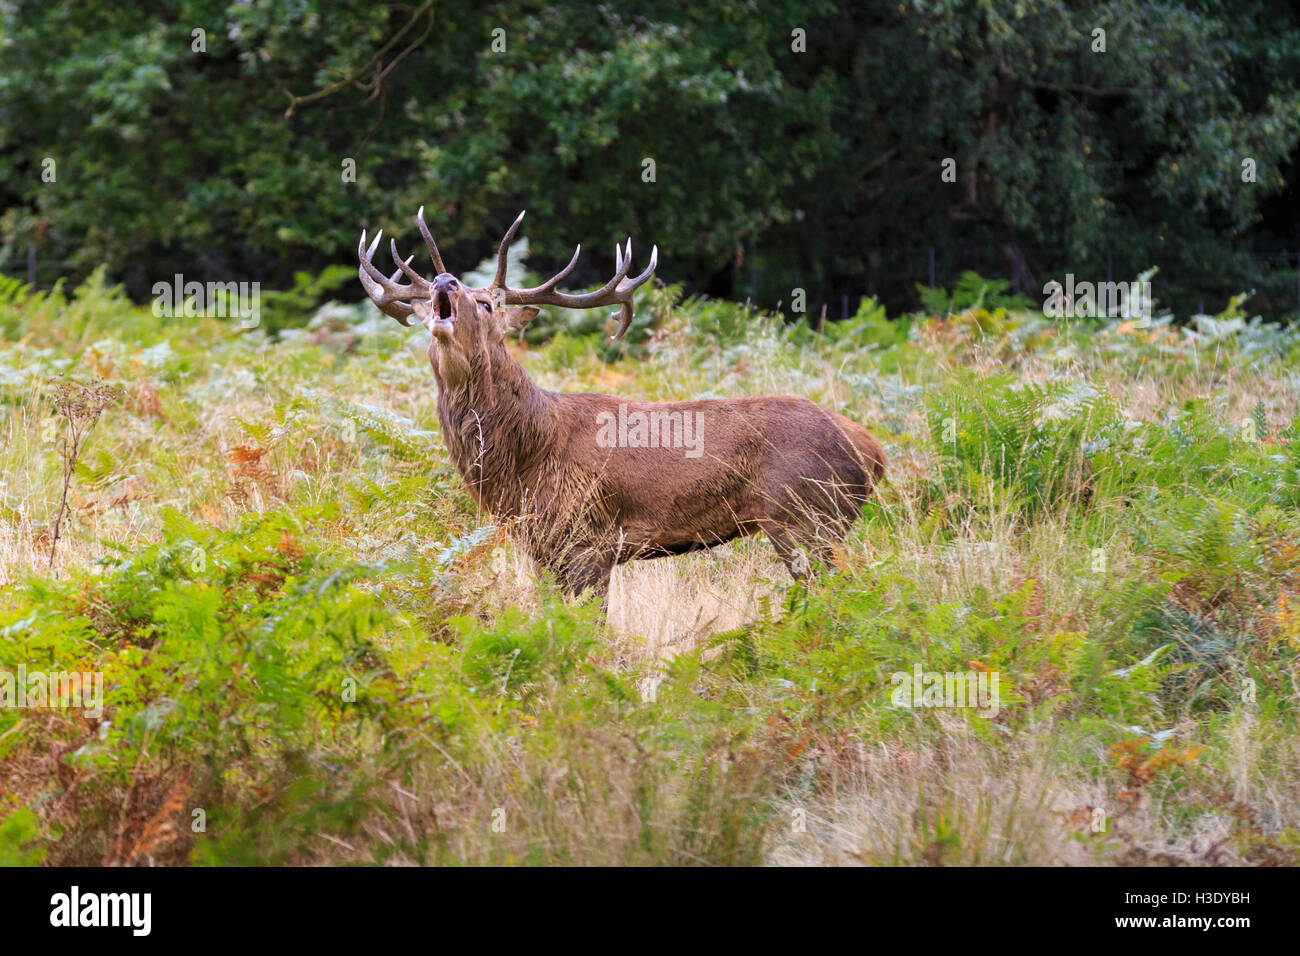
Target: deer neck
[499,427]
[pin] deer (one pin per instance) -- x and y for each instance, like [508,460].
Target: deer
[587,482]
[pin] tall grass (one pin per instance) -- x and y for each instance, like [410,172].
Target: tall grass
[316,649]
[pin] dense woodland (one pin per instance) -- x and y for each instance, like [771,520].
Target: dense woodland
[795,144]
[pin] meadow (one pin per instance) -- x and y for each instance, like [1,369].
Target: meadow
[316,650]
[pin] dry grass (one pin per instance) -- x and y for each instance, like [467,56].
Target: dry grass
[715,767]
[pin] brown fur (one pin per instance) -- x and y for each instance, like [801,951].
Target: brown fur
[779,465]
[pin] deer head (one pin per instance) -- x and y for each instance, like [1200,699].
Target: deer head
[464,320]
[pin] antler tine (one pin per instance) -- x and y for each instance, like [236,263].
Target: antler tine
[385,291]
[499,280]
[627,287]
[621,265]
[428,241]
[405,267]
[371,277]
[624,314]
[550,283]
[563,273]
[650,269]
[364,254]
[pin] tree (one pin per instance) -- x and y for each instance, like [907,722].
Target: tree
[762,146]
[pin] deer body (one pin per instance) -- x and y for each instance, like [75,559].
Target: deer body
[588,491]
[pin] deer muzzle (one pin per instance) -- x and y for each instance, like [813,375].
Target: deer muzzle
[443,300]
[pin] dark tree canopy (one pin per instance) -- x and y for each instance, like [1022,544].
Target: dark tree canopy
[794,144]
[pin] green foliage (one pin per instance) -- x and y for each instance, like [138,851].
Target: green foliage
[819,161]
[308,630]
[520,649]
[18,831]
[284,308]
[1034,446]
[972,291]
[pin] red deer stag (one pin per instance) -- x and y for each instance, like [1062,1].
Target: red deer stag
[598,480]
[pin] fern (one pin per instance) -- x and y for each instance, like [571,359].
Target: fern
[390,432]
[13,291]
[1033,442]
[1260,420]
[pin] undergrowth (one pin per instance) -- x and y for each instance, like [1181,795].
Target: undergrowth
[314,648]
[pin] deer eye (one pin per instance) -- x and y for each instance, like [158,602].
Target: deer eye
[483,305]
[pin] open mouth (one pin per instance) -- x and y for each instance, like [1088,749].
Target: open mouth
[442,306]
[444,315]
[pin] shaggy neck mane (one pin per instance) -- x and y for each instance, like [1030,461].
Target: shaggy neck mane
[499,427]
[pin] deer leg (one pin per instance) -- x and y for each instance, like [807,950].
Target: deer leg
[802,551]
[797,561]
[804,523]
[589,569]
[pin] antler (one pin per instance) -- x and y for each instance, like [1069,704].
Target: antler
[386,292]
[618,290]
[393,298]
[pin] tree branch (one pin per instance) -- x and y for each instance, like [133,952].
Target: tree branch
[296,101]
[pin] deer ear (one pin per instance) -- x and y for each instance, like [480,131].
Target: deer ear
[517,317]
